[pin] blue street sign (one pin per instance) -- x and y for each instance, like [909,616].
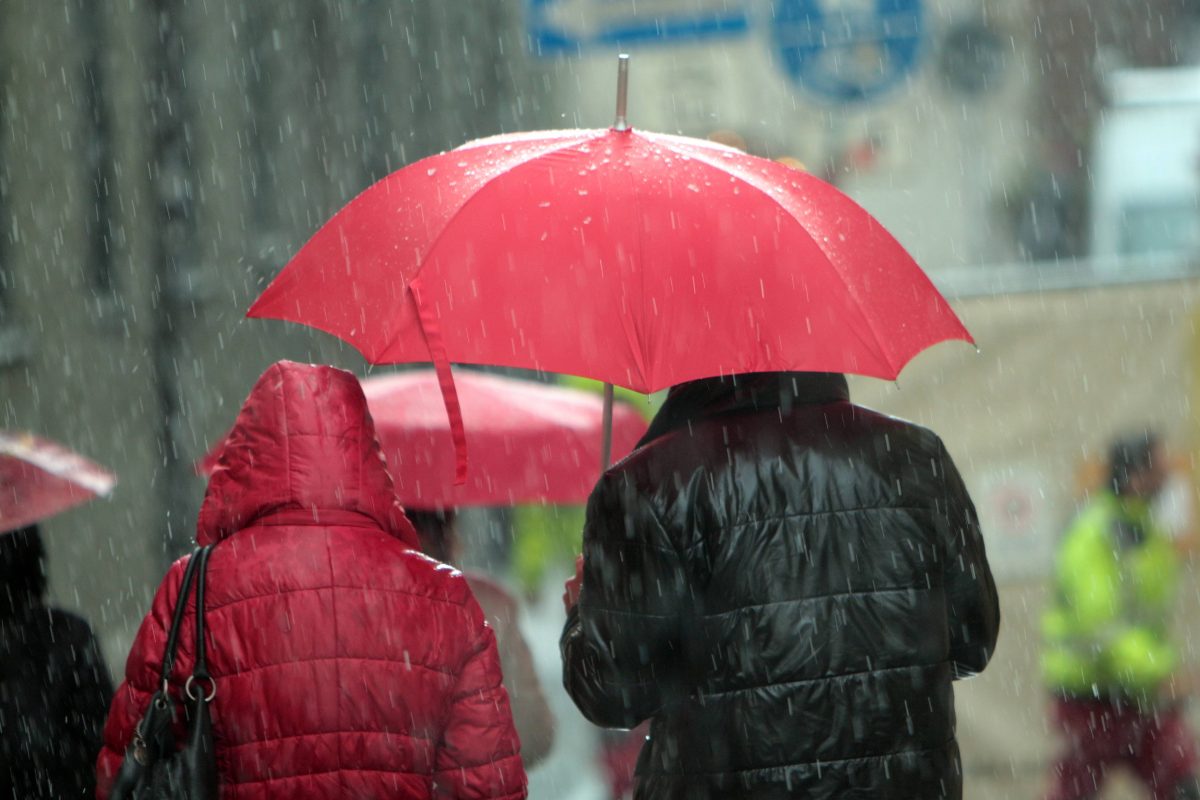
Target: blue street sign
[848,50]
[570,26]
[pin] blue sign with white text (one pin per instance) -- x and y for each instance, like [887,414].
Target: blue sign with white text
[848,50]
[570,26]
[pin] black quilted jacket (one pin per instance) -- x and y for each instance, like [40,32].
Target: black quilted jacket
[787,585]
[54,693]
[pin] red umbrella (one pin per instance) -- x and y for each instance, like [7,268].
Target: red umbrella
[635,258]
[38,479]
[529,441]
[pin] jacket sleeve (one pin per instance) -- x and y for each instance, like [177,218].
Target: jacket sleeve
[621,643]
[972,606]
[478,755]
[142,669]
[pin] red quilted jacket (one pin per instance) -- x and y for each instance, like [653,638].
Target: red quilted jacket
[347,664]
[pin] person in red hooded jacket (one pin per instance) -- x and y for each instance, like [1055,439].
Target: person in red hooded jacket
[346,663]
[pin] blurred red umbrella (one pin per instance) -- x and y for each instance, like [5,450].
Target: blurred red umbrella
[529,441]
[39,478]
[639,259]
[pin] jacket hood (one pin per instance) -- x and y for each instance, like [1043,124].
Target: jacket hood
[732,394]
[303,442]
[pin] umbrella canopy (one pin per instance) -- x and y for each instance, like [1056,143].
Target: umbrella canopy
[39,478]
[639,259]
[530,442]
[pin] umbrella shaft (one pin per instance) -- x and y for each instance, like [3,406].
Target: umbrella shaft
[622,93]
[606,441]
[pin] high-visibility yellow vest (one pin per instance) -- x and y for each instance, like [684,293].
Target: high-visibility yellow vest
[1115,581]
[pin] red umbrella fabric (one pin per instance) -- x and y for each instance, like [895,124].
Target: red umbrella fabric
[639,259]
[530,442]
[39,479]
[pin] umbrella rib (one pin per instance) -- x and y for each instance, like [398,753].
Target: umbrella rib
[698,154]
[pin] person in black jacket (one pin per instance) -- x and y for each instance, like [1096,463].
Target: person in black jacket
[54,686]
[786,585]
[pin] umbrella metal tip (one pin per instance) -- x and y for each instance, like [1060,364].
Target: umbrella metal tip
[622,91]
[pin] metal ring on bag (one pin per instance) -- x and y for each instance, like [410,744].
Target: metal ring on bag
[187,688]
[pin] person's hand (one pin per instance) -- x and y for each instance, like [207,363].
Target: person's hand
[572,586]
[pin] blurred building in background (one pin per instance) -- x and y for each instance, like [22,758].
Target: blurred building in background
[160,161]
[968,127]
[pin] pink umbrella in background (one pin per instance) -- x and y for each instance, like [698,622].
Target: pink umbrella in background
[530,442]
[39,479]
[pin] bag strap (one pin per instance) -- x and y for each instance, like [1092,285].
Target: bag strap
[200,666]
[168,662]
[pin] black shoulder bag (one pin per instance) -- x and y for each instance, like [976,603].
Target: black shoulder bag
[153,768]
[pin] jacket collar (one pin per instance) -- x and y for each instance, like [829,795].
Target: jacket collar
[733,394]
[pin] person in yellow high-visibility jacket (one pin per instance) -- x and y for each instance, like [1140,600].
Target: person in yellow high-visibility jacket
[1108,657]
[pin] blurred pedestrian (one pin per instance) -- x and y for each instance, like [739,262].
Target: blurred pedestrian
[786,585]
[1109,660]
[54,686]
[531,713]
[345,663]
